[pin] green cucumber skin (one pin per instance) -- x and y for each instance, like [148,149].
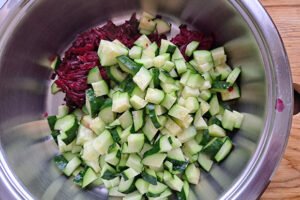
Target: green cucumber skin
[152,114]
[78,179]
[156,80]
[51,121]
[128,65]
[178,165]
[115,135]
[95,102]
[106,103]
[214,147]
[152,151]
[214,120]
[220,86]
[60,162]
[108,175]
[54,135]
[148,178]
[71,133]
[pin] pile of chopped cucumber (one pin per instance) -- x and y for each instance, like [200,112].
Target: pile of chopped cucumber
[159,121]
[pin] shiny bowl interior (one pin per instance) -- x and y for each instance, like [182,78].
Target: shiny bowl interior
[41,28]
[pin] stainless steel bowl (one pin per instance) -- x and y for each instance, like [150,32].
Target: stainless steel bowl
[32,30]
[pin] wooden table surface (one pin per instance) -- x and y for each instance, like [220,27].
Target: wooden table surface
[286,181]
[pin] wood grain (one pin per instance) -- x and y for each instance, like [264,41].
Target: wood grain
[286,181]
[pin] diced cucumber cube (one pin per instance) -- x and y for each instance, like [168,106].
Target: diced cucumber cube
[192,104]
[204,61]
[199,122]
[111,183]
[202,57]
[89,177]
[218,55]
[204,106]
[135,162]
[103,142]
[120,102]
[175,183]
[224,150]
[216,131]
[166,47]
[180,66]
[146,62]
[195,81]
[54,88]
[177,55]
[187,134]
[233,75]
[173,73]
[118,42]
[175,142]
[97,125]
[214,105]
[228,120]
[151,51]
[143,41]
[192,174]
[162,26]
[231,93]
[149,129]
[155,160]
[84,135]
[63,110]
[191,47]
[135,143]
[146,24]
[113,158]
[107,115]
[109,51]
[138,119]
[116,74]
[184,194]
[238,119]
[179,112]
[142,186]
[128,65]
[114,192]
[173,127]
[192,147]
[154,96]
[159,61]
[190,92]
[224,70]
[184,78]
[205,95]
[168,101]
[135,52]
[129,173]
[133,196]
[126,119]
[72,165]
[137,102]
[168,66]
[142,78]
[186,122]
[205,162]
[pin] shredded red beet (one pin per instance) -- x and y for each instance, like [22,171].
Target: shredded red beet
[186,36]
[82,55]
